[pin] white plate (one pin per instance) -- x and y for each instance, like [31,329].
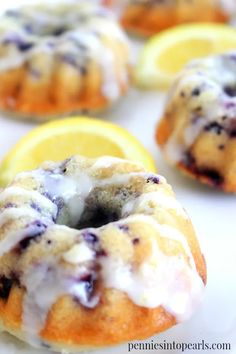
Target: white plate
[213,214]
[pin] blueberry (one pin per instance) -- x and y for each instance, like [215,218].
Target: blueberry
[196,92]
[39,224]
[59,202]
[88,282]
[39,230]
[212,175]
[90,237]
[124,228]
[214,126]
[101,253]
[24,244]
[230,91]
[5,287]
[231,128]
[83,70]
[28,28]
[229,105]
[45,345]
[63,167]
[232,134]
[36,207]
[153,179]
[136,241]
[23,46]
[19,43]
[70,59]
[59,31]
[10,205]
[189,160]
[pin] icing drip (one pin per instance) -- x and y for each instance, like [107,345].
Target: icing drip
[73,191]
[160,281]
[39,300]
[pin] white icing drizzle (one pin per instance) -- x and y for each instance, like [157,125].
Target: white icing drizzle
[72,190]
[39,300]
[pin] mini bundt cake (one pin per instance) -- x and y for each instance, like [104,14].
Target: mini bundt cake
[59,59]
[94,253]
[147,17]
[198,129]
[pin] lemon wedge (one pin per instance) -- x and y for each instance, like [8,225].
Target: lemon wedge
[166,53]
[61,139]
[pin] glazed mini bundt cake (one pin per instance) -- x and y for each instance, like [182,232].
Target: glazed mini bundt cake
[61,58]
[198,129]
[94,253]
[147,17]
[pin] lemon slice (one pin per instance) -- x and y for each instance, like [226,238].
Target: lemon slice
[61,139]
[166,53]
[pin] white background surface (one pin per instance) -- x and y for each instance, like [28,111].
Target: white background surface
[213,214]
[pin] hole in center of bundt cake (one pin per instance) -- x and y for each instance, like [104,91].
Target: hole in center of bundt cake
[99,208]
[103,206]
[230,90]
[97,217]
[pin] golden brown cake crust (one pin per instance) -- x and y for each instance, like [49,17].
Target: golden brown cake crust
[152,231]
